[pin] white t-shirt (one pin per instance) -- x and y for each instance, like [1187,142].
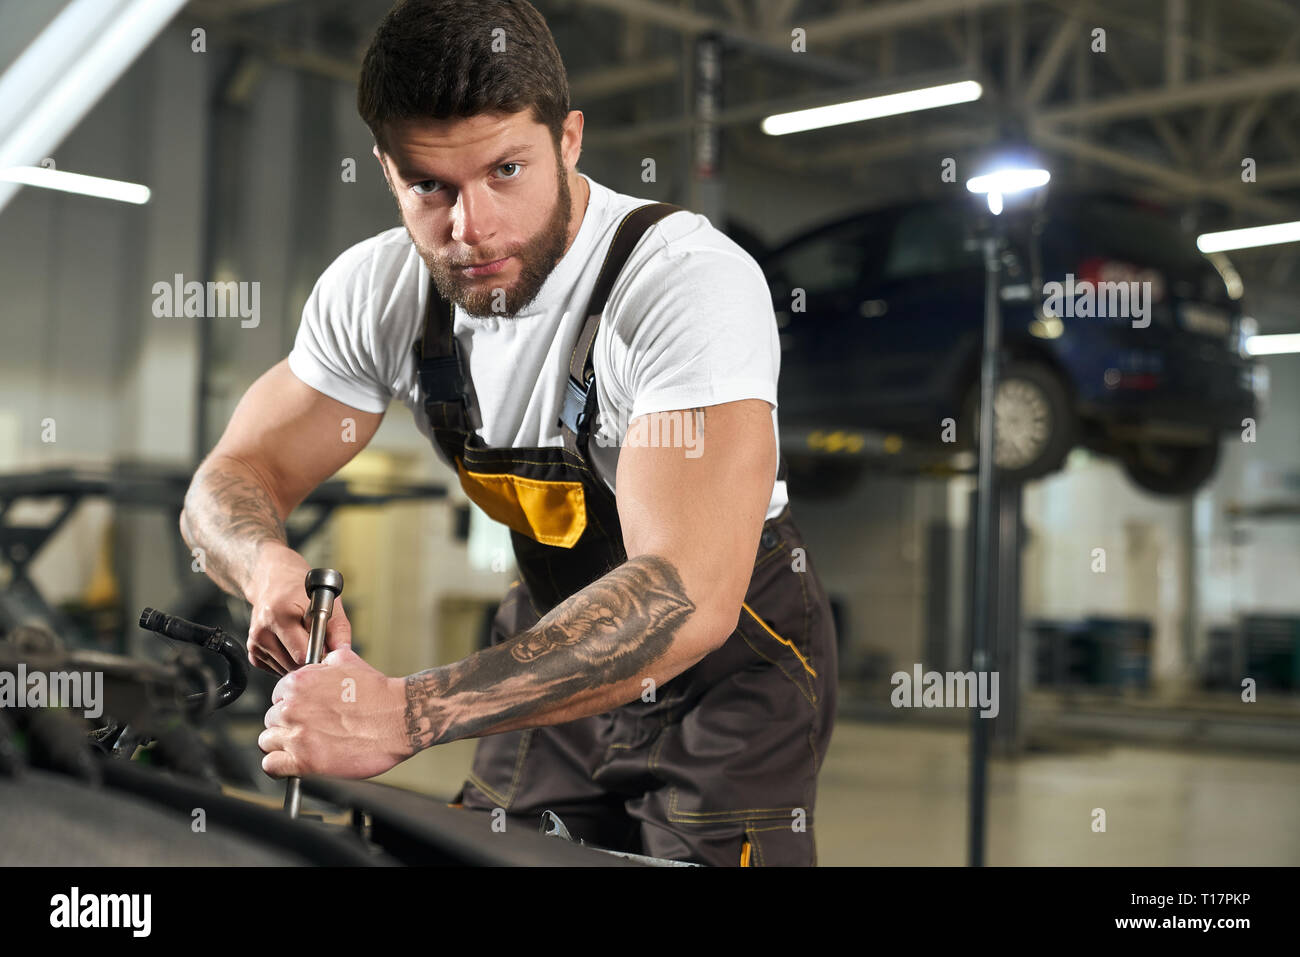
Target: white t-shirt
[688,323]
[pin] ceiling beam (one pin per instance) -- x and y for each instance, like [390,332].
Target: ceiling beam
[593,85]
[752,112]
[824,32]
[776,15]
[1068,32]
[776,46]
[1219,89]
[1176,38]
[686,21]
[1187,184]
[1118,23]
[621,79]
[880,17]
[1277,10]
[739,15]
[1234,140]
[906,145]
[1164,129]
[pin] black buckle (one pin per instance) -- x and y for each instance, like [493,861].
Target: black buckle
[573,413]
[442,379]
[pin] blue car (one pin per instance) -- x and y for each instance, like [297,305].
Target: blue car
[1118,335]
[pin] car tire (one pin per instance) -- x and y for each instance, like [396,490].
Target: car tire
[1173,470]
[1036,421]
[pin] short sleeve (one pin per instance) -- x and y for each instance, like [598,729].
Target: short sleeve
[333,351]
[695,327]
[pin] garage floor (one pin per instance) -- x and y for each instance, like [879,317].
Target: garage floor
[897,796]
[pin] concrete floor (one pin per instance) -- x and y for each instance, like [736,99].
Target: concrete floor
[892,794]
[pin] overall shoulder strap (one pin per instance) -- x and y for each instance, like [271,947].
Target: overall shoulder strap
[442,377]
[579,397]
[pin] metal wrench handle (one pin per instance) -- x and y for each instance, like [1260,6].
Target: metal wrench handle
[323,586]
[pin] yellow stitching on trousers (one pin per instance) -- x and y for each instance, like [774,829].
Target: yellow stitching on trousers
[505,800]
[675,813]
[487,789]
[774,827]
[519,761]
[807,617]
[768,557]
[812,698]
[802,660]
[473,460]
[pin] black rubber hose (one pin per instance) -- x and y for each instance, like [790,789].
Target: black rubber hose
[213,639]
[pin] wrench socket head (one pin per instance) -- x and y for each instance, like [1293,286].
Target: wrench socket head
[324,578]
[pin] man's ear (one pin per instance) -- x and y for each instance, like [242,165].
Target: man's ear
[571,140]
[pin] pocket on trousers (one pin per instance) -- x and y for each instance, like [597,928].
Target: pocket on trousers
[768,845]
[776,638]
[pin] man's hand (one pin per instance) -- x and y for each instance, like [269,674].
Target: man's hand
[340,717]
[284,440]
[277,634]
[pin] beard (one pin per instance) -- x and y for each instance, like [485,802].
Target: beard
[536,259]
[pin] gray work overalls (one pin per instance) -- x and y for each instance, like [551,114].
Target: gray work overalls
[721,768]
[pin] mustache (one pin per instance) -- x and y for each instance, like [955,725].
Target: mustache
[481,262]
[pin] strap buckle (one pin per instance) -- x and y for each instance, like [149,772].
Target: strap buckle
[442,378]
[573,413]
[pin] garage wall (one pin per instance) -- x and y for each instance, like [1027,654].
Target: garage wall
[1140,571]
[1254,563]
[81,346]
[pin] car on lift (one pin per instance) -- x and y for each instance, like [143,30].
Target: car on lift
[1117,335]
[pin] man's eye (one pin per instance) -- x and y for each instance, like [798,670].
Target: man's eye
[417,188]
[515,165]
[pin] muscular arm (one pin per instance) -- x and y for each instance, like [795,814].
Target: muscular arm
[690,527]
[283,440]
[230,512]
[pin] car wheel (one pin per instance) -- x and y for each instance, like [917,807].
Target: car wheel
[1035,421]
[816,478]
[1171,469]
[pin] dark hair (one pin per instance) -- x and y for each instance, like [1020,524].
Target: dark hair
[435,59]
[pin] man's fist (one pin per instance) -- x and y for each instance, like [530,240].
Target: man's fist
[340,717]
[277,632]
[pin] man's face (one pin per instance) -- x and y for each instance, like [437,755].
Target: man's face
[478,190]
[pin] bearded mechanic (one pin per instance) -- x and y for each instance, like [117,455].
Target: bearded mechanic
[662,674]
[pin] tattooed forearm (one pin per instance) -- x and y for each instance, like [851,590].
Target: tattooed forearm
[602,637]
[229,514]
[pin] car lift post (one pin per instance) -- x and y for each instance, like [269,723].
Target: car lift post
[983,606]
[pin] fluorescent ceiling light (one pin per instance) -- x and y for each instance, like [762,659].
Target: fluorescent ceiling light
[76,183]
[837,114]
[1008,181]
[1275,345]
[997,184]
[1248,238]
[62,74]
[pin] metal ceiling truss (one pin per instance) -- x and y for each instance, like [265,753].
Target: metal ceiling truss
[1204,100]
